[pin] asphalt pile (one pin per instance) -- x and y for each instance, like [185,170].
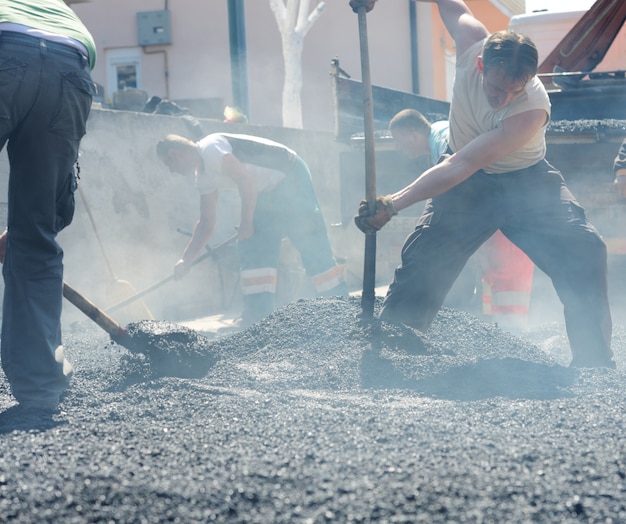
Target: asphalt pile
[316,415]
[607,127]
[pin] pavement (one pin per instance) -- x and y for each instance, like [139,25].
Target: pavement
[213,325]
[316,416]
[226,322]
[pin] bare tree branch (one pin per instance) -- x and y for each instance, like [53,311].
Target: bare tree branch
[280,13]
[303,27]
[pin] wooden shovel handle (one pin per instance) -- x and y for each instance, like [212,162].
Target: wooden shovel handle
[115,330]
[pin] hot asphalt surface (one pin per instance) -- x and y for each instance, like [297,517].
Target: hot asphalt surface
[312,416]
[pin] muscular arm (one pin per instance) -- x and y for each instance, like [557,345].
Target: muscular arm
[203,229]
[464,28]
[3,245]
[247,191]
[478,154]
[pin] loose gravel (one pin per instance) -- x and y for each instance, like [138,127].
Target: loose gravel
[313,415]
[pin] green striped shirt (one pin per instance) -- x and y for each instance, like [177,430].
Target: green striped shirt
[53,16]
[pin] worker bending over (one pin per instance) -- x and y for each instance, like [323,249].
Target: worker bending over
[277,201]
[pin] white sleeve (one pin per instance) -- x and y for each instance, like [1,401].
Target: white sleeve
[212,149]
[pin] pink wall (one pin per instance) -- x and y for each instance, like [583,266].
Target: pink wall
[199,60]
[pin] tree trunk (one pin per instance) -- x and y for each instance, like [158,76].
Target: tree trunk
[294,21]
[292,87]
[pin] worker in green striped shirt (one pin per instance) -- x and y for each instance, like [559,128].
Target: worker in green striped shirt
[46,55]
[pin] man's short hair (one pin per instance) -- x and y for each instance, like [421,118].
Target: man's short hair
[172,142]
[512,52]
[410,119]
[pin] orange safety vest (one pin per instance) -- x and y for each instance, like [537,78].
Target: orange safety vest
[507,283]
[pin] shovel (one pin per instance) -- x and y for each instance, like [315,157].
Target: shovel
[162,282]
[116,331]
[120,288]
[170,349]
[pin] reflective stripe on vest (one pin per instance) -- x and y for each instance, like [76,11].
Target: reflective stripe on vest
[260,280]
[509,309]
[496,302]
[328,279]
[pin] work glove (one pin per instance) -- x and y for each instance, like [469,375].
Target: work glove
[383,213]
[368,4]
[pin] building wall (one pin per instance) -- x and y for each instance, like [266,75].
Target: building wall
[197,63]
[199,60]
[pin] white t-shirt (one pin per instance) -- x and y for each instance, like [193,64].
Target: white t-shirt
[471,115]
[212,149]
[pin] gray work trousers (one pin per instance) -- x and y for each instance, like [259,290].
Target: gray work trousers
[536,211]
[45,98]
[290,210]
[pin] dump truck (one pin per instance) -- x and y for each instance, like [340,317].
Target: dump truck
[587,127]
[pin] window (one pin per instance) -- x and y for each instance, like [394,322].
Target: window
[123,70]
[126,77]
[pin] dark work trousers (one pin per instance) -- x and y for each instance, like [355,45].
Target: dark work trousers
[536,211]
[45,98]
[290,210]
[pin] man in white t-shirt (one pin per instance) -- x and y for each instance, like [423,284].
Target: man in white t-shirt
[506,272]
[277,201]
[496,177]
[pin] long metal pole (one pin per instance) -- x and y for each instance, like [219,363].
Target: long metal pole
[415,77]
[238,55]
[369,266]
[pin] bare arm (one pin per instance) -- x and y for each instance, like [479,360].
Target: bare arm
[201,233]
[3,245]
[478,154]
[247,191]
[462,25]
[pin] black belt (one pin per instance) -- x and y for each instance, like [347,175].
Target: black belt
[38,42]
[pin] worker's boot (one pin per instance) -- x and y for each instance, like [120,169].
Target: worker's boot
[256,306]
